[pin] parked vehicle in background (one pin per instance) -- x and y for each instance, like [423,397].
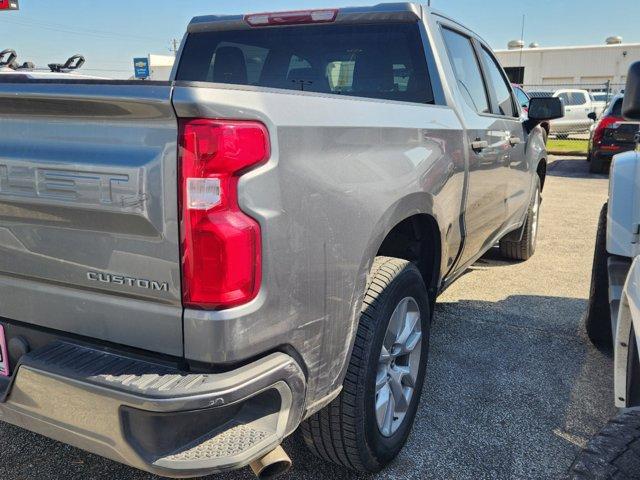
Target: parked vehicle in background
[523,99]
[208,264]
[613,316]
[578,105]
[600,102]
[602,97]
[612,134]
[539,93]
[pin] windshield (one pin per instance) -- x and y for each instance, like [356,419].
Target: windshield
[616,109]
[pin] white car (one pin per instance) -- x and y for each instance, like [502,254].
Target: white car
[578,105]
[613,317]
[627,335]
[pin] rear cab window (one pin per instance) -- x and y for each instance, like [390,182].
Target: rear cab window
[379,61]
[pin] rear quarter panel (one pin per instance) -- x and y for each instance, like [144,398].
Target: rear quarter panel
[343,173]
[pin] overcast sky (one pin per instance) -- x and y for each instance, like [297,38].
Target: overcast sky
[110,33]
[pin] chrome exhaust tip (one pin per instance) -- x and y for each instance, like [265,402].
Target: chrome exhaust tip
[272,465]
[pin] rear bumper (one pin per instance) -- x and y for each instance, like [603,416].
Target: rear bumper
[608,154]
[151,417]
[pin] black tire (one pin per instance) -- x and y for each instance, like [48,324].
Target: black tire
[614,453]
[346,431]
[597,164]
[521,245]
[598,317]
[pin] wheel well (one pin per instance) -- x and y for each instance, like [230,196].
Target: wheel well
[542,172]
[546,126]
[417,239]
[633,375]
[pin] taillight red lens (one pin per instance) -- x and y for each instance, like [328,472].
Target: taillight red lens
[220,244]
[603,124]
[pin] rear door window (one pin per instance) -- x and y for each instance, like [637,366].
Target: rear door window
[382,61]
[467,70]
[500,86]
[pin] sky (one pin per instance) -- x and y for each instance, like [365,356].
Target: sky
[111,33]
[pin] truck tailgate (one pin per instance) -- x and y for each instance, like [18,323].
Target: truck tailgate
[88,211]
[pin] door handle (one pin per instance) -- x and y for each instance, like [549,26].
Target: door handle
[478,145]
[514,141]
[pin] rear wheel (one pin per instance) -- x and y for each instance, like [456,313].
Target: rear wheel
[367,425]
[614,453]
[597,164]
[521,245]
[598,317]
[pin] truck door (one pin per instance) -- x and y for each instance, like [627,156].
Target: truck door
[503,104]
[486,206]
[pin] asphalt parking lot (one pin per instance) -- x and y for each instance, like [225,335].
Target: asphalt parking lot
[513,387]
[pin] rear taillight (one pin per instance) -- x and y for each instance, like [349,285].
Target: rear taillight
[291,18]
[220,244]
[603,124]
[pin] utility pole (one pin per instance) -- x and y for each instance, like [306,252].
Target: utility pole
[522,38]
[174,46]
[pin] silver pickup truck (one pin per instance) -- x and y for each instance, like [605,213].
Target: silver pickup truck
[191,270]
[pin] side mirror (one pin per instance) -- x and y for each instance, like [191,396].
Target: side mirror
[545,108]
[593,116]
[631,102]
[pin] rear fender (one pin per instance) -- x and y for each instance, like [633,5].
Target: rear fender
[415,204]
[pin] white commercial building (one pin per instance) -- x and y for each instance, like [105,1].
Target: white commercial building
[160,66]
[595,64]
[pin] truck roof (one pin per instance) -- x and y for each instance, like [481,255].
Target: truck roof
[390,12]
[403,11]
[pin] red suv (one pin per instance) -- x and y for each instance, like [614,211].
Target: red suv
[610,136]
